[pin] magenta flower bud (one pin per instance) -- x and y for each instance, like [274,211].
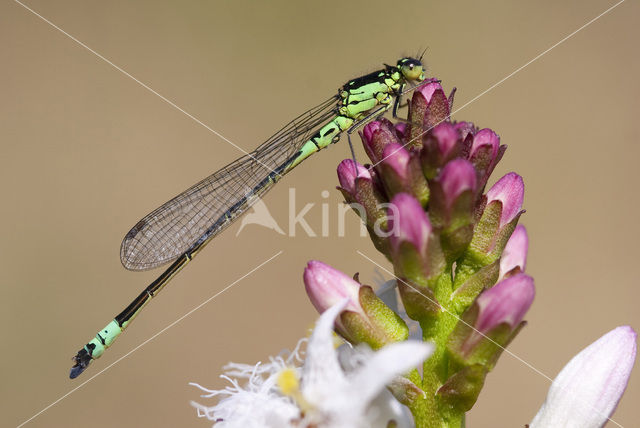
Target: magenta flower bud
[588,389]
[509,191]
[429,107]
[455,178]
[327,286]
[438,105]
[441,144]
[400,172]
[348,171]
[365,318]
[465,129]
[514,255]
[408,223]
[400,128]
[485,138]
[414,249]
[429,90]
[492,322]
[452,205]
[484,153]
[506,302]
[397,158]
[363,194]
[446,136]
[375,136]
[369,129]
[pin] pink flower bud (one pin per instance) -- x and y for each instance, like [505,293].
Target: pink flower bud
[348,171]
[507,301]
[465,128]
[408,223]
[397,157]
[509,190]
[455,178]
[369,129]
[441,144]
[485,138]
[327,286]
[446,136]
[587,390]
[514,254]
[375,136]
[484,152]
[430,105]
[401,128]
[428,90]
[363,318]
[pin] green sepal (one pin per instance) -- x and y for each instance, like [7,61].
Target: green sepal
[423,269]
[405,391]
[486,228]
[379,326]
[381,243]
[467,347]
[487,243]
[488,238]
[417,111]
[382,315]
[466,293]
[503,236]
[370,199]
[455,222]
[484,163]
[419,302]
[482,160]
[438,110]
[410,263]
[512,336]
[459,214]
[455,242]
[460,392]
[414,183]
[418,186]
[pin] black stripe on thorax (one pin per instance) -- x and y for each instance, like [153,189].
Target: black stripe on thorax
[376,76]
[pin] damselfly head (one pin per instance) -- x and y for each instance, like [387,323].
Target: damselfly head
[411,69]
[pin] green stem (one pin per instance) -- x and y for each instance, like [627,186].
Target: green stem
[427,412]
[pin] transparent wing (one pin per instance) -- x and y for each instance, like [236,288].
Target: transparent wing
[168,231]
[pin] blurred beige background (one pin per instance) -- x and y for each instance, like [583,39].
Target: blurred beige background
[86,152]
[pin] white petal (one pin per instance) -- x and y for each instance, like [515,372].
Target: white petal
[321,372]
[588,388]
[384,408]
[391,361]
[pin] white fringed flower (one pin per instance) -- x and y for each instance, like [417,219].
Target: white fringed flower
[587,390]
[320,393]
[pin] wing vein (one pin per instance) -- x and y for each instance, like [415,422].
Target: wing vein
[171,229]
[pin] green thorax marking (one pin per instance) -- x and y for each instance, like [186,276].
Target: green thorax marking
[359,96]
[328,134]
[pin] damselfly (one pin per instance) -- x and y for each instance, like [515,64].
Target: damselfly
[180,228]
